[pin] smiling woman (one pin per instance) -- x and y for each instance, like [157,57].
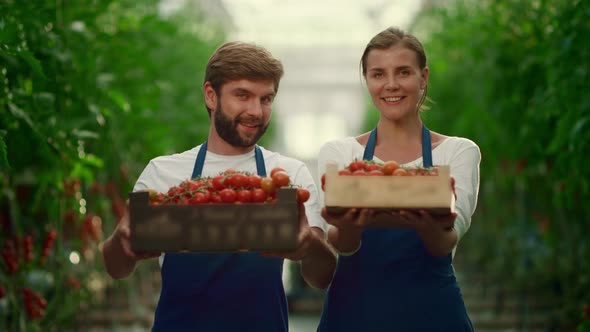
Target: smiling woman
[396,80]
[393,278]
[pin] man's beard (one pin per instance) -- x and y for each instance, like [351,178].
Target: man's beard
[228,129]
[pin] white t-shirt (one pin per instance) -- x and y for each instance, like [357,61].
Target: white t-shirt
[166,171]
[461,154]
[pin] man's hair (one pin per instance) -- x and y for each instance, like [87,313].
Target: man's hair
[239,60]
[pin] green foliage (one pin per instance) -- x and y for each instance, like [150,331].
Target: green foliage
[89,92]
[511,76]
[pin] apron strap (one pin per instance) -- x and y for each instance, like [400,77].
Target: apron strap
[198,169]
[260,167]
[426,147]
[370,147]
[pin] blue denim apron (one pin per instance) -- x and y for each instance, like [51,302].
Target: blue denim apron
[392,283]
[221,291]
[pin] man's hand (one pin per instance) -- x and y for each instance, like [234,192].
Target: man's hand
[119,259]
[305,240]
[318,260]
[122,234]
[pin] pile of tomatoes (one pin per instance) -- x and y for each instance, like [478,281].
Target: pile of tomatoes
[229,187]
[388,168]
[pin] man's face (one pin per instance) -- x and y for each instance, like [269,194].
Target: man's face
[243,110]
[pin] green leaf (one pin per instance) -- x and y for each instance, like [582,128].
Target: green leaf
[92,160]
[33,63]
[21,114]
[119,99]
[578,128]
[4,165]
[85,134]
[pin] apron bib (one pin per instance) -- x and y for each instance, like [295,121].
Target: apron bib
[221,291]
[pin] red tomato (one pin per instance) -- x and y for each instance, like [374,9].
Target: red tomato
[356,165]
[281,179]
[244,196]
[228,195]
[302,195]
[215,198]
[400,172]
[344,172]
[259,195]
[375,172]
[276,169]
[193,185]
[254,181]
[198,198]
[267,185]
[218,183]
[237,180]
[360,172]
[390,167]
[372,167]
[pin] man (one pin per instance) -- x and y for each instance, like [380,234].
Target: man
[229,291]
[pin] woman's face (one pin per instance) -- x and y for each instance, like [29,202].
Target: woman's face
[395,81]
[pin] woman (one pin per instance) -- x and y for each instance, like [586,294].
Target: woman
[401,278]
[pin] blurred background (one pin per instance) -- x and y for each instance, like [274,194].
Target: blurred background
[91,90]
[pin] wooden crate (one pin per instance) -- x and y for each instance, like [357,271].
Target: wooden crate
[214,227]
[386,193]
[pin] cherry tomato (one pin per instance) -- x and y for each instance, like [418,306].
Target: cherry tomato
[360,172]
[276,169]
[372,166]
[259,195]
[302,195]
[237,180]
[390,167]
[344,172]
[254,181]
[244,196]
[218,183]
[228,195]
[215,198]
[198,198]
[375,172]
[356,165]
[281,179]
[267,185]
[400,172]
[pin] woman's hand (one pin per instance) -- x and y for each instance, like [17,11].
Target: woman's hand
[348,228]
[436,231]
